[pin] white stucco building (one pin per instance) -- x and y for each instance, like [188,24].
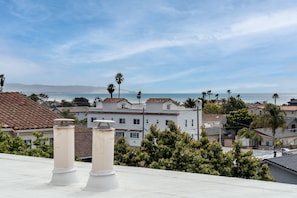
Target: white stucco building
[132,121]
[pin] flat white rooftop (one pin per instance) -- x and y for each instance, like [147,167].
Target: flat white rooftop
[22,176]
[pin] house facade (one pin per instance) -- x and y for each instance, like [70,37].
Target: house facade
[133,121]
[214,125]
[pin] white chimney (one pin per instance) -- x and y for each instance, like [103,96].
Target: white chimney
[64,172]
[102,176]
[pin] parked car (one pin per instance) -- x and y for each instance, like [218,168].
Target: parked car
[286,151]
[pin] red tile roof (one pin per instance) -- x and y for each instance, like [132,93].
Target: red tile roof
[114,100]
[19,112]
[161,100]
[288,108]
[158,100]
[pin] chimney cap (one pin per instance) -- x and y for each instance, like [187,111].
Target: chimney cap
[63,121]
[104,124]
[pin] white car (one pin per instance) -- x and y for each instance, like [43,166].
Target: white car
[286,151]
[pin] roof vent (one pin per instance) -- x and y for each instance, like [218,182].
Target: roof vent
[64,172]
[102,176]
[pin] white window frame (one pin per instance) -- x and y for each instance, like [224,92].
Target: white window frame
[134,135]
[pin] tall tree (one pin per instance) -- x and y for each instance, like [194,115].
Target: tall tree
[229,93]
[209,93]
[110,89]
[275,96]
[138,96]
[190,103]
[119,79]
[2,78]
[273,117]
[217,97]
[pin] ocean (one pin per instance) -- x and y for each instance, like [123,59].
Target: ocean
[284,98]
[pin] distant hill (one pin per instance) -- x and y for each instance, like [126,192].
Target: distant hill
[18,87]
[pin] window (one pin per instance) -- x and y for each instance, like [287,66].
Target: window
[134,135]
[186,123]
[51,141]
[122,121]
[119,134]
[293,127]
[136,121]
[192,122]
[93,118]
[29,143]
[168,106]
[147,121]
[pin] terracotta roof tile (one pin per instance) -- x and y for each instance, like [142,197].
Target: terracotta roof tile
[19,112]
[161,100]
[288,108]
[114,100]
[158,100]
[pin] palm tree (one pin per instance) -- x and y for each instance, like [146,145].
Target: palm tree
[203,95]
[190,103]
[275,96]
[2,78]
[119,79]
[217,97]
[138,96]
[209,93]
[238,96]
[229,92]
[251,134]
[273,117]
[110,89]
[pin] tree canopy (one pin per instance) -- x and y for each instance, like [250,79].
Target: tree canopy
[173,149]
[41,147]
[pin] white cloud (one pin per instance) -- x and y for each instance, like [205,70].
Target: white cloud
[260,23]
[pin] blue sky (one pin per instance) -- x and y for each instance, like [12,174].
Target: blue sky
[160,46]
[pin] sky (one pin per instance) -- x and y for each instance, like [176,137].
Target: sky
[160,46]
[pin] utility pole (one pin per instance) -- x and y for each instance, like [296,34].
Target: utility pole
[198,103]
[142,122]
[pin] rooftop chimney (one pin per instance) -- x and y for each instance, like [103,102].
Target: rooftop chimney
[64,172]
[102,176]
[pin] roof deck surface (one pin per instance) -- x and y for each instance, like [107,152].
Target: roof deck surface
[23,176]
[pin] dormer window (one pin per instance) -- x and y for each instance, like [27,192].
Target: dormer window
[168,106]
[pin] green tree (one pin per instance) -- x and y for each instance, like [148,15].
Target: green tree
[249,133]
[2,79]
[275,96]
[233,104]
[81,101]
[239,119]
[211,107]
[34,97]
[273,117]
[110,89]
[209,93]
[65,103]
[119,79]
[189,103]
[138,96]
[229,93]
[245,165]
[66,114]
[17,146]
